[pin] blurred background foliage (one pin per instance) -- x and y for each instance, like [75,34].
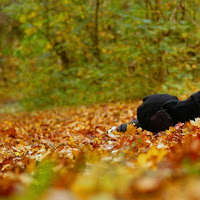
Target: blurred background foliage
[55,53]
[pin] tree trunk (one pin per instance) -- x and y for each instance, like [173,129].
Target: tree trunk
[96,30]
[157,10]
[147,9]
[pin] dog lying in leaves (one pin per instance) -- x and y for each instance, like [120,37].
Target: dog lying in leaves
[160,111]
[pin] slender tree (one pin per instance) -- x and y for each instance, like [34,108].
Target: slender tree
[96,30]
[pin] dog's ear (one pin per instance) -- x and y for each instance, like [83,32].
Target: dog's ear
[145,98]
[160,121]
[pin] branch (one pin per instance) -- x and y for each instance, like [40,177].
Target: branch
[174,11]
[193,21]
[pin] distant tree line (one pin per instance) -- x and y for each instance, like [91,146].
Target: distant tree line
[97,50]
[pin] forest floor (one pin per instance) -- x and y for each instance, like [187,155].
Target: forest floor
[66,153]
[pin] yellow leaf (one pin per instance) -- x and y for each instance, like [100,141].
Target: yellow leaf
[162,154]
[31,166]
[7,140]
[29,31]
[142,159]
[17,154]
[152,157]
[22,19]
[48,46]
[194,66]
[97,140]
[32,14]
[66,1]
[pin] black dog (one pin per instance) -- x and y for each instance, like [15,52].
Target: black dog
[160,111]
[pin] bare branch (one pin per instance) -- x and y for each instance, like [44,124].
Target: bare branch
[193,21]
[173,13]
[175,10]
